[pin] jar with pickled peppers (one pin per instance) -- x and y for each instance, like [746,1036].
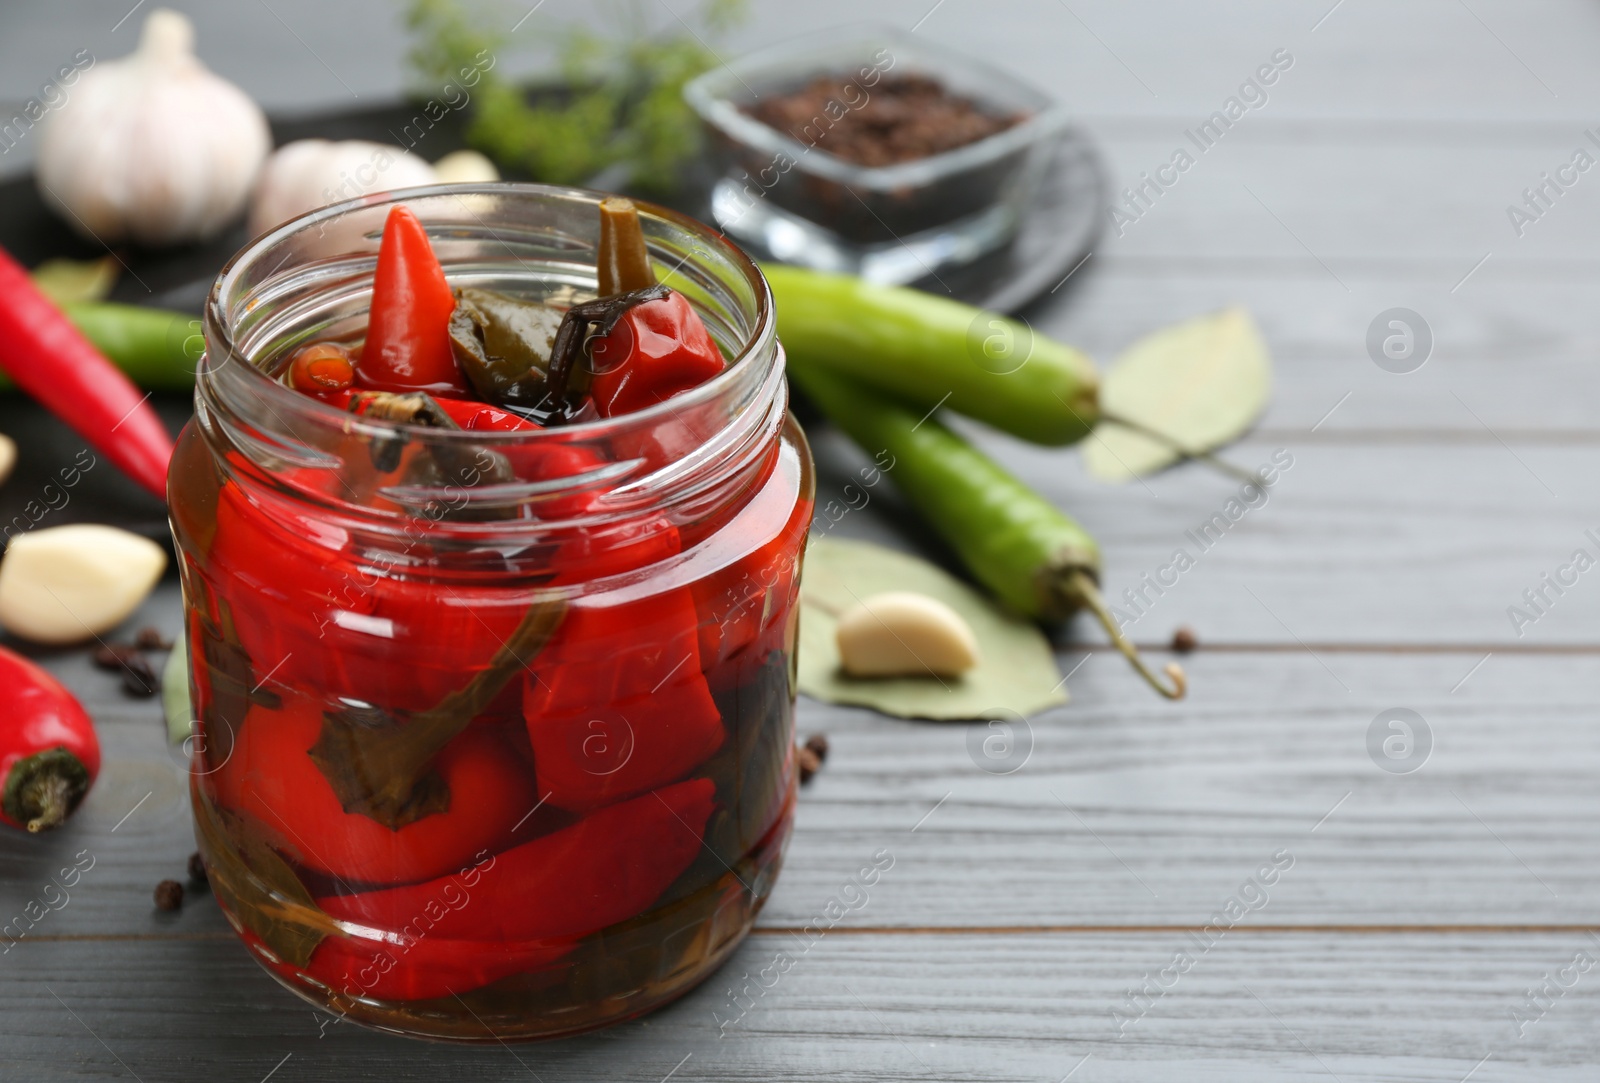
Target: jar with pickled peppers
[490,523]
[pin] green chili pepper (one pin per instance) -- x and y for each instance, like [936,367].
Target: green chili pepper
[928,350]
[158,349]
[503,345]
[1019,545]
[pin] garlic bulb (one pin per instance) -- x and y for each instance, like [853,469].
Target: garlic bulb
[465,167]
[311,173]
[153,147]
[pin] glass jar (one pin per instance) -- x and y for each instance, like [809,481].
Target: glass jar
[494,730]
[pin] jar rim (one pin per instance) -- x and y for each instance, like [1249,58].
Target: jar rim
[218,329]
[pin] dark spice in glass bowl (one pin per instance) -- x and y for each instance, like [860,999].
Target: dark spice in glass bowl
[903,119]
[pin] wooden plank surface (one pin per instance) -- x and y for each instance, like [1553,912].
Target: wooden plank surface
[1124,812]
[1420,907]
[1029,1007]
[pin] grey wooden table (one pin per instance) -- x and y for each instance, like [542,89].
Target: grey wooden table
[1435,924]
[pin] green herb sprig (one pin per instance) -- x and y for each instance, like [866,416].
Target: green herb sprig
[620,102]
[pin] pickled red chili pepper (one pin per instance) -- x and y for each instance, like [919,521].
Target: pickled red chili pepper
[322,368]
[606,868]
[656,350]
[618,704]
[481,417]
[424,967]
[408,329]
[321,619]
[482,791]
[656,346]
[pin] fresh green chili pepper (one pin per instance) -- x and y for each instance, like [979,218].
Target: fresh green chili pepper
[1019,545]
[924,350]
[158,349]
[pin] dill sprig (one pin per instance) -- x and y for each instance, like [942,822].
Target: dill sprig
[619,102]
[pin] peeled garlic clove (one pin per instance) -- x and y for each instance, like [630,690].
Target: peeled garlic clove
[152,146]
[311,173]
[8,457]
[465,167]
[68,583]
[904,634]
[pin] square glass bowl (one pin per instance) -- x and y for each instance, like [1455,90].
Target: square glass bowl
[782,194]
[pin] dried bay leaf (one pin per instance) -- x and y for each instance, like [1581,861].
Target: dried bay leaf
[175,691]
[68,280]
[1016,672]
[241,863]
[1202,382]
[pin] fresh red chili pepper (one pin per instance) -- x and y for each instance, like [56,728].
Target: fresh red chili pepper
[408,328]
[49,754]
[321,368]
[271,777]
[656,350]
[606,868]
[53,362]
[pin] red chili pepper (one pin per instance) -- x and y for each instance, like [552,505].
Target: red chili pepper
[310,615]
[408,328]
[752,587]
[421,968]
[322,368]
[313,617]
[616,702]
[53,362]
[606,868]
[481,417]
[656,350]
[271,777]
[49,754]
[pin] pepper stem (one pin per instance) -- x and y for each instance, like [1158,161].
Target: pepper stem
[42,789]
[623,262]
[51,794]
[1083,588]
[1249,477]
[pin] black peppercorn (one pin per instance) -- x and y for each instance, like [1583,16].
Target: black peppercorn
[169,895]
[809,763]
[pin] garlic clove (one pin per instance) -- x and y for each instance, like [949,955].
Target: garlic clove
[8,457]
[152,146]
[311,173]
[905,634]
[465,167]
[68,583]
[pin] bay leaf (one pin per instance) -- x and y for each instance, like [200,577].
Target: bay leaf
[1016,672]
[1202,383]
[66,280]
[175,691]
[260,887]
